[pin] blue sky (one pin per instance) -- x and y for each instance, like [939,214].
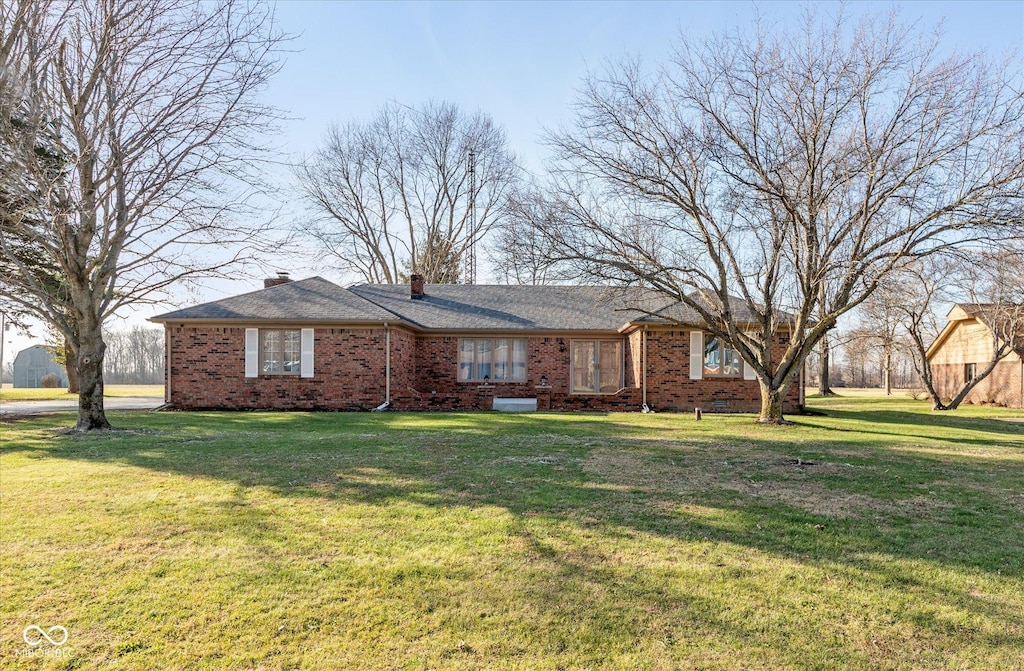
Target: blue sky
[518,61]
[521,61]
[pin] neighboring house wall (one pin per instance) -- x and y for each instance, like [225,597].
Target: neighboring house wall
[1002,387]
[970,343]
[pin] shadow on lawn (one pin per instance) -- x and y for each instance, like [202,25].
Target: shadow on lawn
[571,469]
[924,425]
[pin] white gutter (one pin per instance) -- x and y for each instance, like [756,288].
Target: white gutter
[167,363]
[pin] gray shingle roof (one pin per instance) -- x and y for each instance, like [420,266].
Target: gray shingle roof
[495,307]
[452,306]
[313,299]
[681,313]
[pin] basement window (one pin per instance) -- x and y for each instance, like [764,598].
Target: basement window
[492,360]
[280,352]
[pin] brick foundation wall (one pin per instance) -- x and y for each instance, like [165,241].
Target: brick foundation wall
[207,371]
[1001,387]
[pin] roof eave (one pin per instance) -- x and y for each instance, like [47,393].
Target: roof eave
[241,321]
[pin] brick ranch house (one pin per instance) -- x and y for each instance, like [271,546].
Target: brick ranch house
[313,345]
[964,348]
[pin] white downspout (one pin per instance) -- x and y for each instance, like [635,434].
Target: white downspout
[643,368]
[167,363]
[387,370]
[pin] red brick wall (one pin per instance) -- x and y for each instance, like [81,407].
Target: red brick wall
[1001,387]
[669,386]
[437,386]
[207,369]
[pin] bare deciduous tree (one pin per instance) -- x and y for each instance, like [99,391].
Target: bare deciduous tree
[128,135]
[793,170]
[880,322]
[521,253]
[410,191]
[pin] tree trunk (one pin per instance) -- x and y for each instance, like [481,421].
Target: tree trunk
[771,405]
[71,365]
[91,348]
[824,388]
[887,372]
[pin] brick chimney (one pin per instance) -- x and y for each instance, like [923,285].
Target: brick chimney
[282,278]
[416,287]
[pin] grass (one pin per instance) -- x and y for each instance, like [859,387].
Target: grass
[111,391]
[878,536]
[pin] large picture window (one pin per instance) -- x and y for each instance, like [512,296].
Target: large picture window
[492,360]
[596,366]
[720,360]
[280,351]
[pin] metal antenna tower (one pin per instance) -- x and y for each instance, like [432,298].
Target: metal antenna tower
[471,250]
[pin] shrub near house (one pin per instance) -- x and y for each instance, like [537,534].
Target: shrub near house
[312,344]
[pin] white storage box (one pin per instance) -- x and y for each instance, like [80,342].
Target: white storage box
[515,404]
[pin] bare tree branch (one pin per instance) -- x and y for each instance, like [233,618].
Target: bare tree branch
[410,191]
[130,136]
[794,170]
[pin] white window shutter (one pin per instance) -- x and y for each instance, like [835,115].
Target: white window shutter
[748,372]
[306,364]
[252,352]
[696,355]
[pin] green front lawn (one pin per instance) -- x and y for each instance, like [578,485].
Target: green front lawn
[9,393]
[880,536]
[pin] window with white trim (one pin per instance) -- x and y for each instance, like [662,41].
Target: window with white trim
[720,360]
[492,359]
[280,351]
[597,366]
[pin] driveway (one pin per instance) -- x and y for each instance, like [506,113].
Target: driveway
[37,407]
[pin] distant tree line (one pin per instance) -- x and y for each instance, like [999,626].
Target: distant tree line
[135,356]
